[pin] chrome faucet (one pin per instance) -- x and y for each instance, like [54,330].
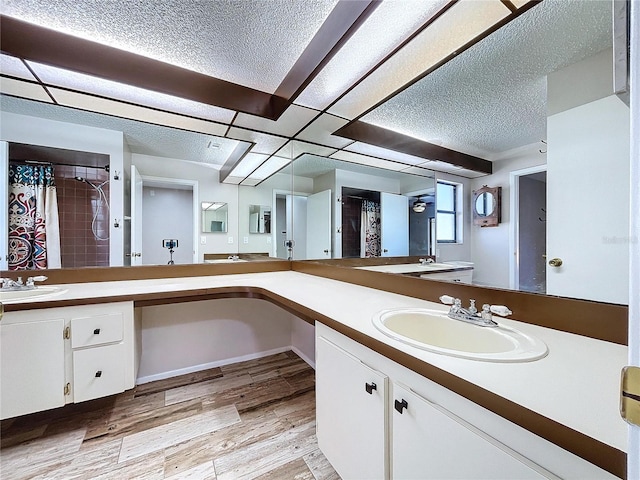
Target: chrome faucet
[426,261]
[9,284]
[233,258]
[471,315]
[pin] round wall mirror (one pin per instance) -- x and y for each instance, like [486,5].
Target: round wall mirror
[485,204]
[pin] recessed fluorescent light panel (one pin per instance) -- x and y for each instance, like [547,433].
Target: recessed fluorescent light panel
[366,48]
[248,164]
[14,67]
[127,93]
[270,167]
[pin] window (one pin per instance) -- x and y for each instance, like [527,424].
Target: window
[446,215]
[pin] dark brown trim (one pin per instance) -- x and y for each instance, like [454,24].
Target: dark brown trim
[234,159]
[150,272]
[381,137]
[35,75]
[343,21]
[592,450]
[31,42]
[22,151]
[602,321]
[509,5]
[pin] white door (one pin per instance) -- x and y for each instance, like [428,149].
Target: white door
[429,442]
[394,223]
[4,206]
[319,225]
[587,229]
[32,372]
[136,217]
[297,225]
[350,413]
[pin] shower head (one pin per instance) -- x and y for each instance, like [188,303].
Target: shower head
[79,179]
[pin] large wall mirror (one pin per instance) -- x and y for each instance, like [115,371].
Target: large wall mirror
[553,61]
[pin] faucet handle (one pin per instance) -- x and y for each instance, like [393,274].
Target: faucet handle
[447,299]
[500,310]
[472,307]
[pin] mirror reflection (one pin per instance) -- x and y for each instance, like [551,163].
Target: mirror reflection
[484,204]
[259,219]
[214,217]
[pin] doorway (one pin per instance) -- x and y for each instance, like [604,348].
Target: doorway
[529,232]
[163,209]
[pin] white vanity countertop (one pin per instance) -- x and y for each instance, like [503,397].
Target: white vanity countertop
[576,384]
[415,268]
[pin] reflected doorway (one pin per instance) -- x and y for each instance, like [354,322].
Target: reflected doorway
[530,220]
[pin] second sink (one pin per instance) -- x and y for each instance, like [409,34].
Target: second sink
[432,330]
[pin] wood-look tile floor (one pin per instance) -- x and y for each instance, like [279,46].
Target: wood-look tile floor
[248,420]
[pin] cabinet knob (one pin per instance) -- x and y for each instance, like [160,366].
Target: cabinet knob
[370,387]
[96,331]
[98,373]
[400,405]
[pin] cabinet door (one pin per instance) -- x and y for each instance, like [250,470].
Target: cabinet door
[428,442]
[350,412]
[31,367]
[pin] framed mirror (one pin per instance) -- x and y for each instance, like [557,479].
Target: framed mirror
[215,217]
[487,206]
[259,219]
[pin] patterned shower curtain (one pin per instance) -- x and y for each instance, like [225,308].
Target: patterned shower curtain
[34,230]
[370,230]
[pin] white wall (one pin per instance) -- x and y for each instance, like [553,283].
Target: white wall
[187,337]
[49,133]
[167,213]
[209,190]
[490,250]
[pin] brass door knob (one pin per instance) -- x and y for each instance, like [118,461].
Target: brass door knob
[555,262]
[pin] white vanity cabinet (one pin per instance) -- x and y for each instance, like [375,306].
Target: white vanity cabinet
[32,371]
[429,432]
[430,442]
[50,357]
[352,413]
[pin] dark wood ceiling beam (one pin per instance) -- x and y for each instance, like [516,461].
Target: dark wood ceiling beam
[42,45]
[343,21]
[234,159]
[381,137]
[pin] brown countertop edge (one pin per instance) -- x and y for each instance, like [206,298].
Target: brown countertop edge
[605,456]
[602,321]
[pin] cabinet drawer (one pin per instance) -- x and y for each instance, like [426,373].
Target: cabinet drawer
[463,276]
[98,372]
[96,330]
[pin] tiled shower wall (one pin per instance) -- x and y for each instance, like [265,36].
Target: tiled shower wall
[77,204]
[351,218]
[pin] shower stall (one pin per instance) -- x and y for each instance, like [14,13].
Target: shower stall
[81,181]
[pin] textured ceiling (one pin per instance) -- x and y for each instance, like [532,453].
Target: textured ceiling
[141,137]
[492,98]
[250,42]
[487,100]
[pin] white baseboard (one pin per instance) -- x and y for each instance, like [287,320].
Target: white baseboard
[310,362]
[218,363]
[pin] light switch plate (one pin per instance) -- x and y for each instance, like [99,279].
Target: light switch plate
[229,239]
[203,240]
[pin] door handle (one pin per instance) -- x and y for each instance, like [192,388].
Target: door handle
[555,262]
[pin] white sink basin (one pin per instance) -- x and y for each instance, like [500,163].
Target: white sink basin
[38,292]
[432,330]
